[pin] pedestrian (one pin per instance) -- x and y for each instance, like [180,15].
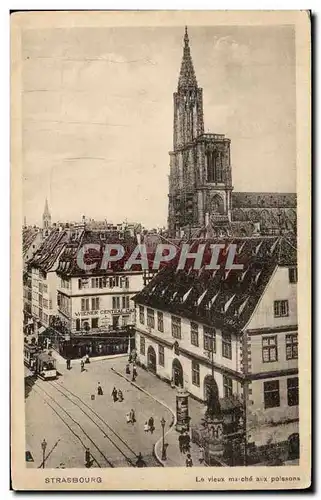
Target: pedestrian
[181,442]
[127,369]
[114,394]
[133,377]
[130,358]
[146,427]
[140,462]
[87,360]
[99,390]
[68,364]
[187,440]
[134,371]
[132,416]
[87,458]
[201,454]
[128,418]
[120,396]
[189,461]
[82,365]
[151,425]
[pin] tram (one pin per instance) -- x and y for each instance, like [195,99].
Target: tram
[43,364]
[46,366]
[30,353]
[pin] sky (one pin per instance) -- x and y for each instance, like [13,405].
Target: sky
[97,108]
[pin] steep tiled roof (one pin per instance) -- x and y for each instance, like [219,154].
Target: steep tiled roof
[49,251]
[225,299]
[29,235]
[68,265]
[263,200]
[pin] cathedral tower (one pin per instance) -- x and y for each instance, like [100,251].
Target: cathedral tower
[188,103]
[200,181]
[46,217]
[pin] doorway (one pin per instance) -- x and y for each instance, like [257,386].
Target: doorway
[151,359]
[294,446]
[177,373]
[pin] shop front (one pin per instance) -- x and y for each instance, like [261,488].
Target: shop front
[75,346]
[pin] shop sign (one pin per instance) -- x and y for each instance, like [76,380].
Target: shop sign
[103,312]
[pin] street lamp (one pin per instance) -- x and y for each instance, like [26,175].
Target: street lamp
[43,446]
[163,422]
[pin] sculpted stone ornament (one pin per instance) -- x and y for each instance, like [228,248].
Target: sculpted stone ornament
[176,348]
[213,406]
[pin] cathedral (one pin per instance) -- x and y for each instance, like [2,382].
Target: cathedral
[201,196]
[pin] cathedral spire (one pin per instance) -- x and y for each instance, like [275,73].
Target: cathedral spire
[46,210]
[46,217]
[187,76]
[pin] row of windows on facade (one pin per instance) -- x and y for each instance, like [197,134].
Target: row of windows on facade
[118,302]
[270,347]
[44,302]
[227,381]
[64,303]
[269,343]
[271,388]
[103,282]
[281,309]
[27,294]
[272,393]
[43,316]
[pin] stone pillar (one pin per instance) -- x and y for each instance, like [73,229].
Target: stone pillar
[200,205]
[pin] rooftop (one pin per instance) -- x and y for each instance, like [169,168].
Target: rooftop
[263,200]
[221,298]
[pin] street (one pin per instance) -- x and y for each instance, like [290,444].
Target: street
[71,417]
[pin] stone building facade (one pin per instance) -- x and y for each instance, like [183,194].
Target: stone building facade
[235,331]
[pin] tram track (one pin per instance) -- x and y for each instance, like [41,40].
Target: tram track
[86,423]
[117,441]
[73,426]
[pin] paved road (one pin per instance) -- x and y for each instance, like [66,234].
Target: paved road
[64,413]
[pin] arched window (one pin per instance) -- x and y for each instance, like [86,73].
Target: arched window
[214,166]
[219,167]
[210,166]
[217,205]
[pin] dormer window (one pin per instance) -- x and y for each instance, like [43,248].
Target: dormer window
[242,306]
[241,247]
[213,299]
[201,297]
[186,294]
[256,279]
[273,247]
[242,276]
[258,247]
[228,303]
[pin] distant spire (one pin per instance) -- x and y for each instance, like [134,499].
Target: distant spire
[187,76]
[46,211]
